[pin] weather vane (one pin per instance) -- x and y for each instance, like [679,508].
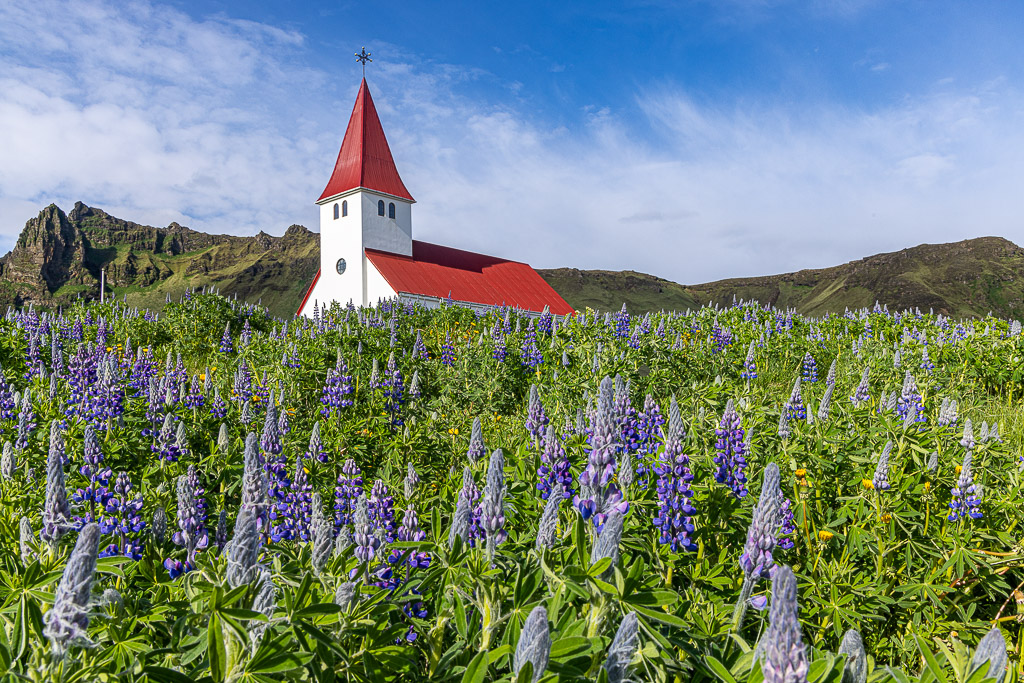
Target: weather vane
[363,57]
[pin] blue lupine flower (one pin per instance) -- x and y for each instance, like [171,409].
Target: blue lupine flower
[966,494]
[350,487]
[862,394]
[225,340]
[909,405]
[448,351]
[554,474]
[531,355]
[598,494]
[477,448]
[749,371]
[536,419]
[648,429]
[795,409]
[810,369]
[675,512]
[622,323]
[731,460]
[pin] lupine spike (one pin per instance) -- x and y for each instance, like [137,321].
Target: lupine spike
[322,533]
[534,644]
[880,480]
[622,649]
[784,656]
[244,549]
[991,651]
[547,528]
[493,502]
[607,543]
[68,620]
[56,511]
[855,670]
[265,602]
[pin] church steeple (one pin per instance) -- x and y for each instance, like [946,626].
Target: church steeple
[365,159]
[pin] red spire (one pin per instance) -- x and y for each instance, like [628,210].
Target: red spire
[365,159]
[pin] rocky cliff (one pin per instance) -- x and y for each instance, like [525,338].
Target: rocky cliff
[58,257]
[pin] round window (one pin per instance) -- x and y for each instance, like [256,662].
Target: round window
[341,266]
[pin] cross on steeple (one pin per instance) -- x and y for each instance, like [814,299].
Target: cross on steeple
[363,56]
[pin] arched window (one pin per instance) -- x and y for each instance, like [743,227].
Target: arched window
[380,207]
[335,211]
[344,208]
[391,210]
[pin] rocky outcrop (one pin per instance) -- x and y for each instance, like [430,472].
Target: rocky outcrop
[59,256]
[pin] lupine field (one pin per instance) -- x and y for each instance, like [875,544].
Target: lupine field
[398,494]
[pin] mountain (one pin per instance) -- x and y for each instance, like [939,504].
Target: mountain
[961,279]
[58,257]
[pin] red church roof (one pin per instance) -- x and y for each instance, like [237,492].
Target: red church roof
[365,159]
[443,272]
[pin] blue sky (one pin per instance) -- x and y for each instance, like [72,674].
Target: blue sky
[693,140]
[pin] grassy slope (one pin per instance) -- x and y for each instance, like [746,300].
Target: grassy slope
[968,278]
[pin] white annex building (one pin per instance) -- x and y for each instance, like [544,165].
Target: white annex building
[367,252]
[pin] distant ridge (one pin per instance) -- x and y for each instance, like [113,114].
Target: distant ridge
[961,279]
[58,258]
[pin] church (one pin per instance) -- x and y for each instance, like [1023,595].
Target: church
[367,252]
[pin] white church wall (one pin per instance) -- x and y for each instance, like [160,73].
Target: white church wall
[377,287]
[341,238]
[393,235]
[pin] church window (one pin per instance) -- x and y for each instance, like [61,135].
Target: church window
[380,207]
[391,210]
[335,211]
[340,265]
[344,208]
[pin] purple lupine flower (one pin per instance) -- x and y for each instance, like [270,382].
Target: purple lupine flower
[795,409]
[26,421]
[337,389]
[787,526]
[448,351]
[350,487]
[95,493]
[419,349]
[598,493]
[783,654]
[56,511]
[393,392]
[966,495]
[756,560]
[749,371]
[297,506]
[225,340]
[554,474]
[477,449]
[270,440]
[500,352]
[536,419]
[283,426]
[123,519]
[166,446]
[675,511]
[810,369]
[7,405]
[218,407]
[492,506]
[880,480]
[191,515]
[381,505]
[730,459]
[243,549]
[531,356]
[366,542]
[622,323]
[648,429]
[316,447]
[471,493]
[909,405]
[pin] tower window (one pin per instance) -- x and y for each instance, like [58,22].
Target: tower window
[380,207]
[335,211]
[344,208]
[391,210]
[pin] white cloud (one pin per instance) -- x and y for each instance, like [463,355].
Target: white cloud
[224,126]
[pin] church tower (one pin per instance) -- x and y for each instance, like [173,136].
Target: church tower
[364,206]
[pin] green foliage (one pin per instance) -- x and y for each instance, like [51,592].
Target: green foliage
[921,589]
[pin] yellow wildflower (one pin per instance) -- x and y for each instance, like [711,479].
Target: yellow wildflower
[825,535]
[927,486]
[887,518]
[868,484]
[801,472]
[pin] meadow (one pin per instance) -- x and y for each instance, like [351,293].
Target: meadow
[401,494]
